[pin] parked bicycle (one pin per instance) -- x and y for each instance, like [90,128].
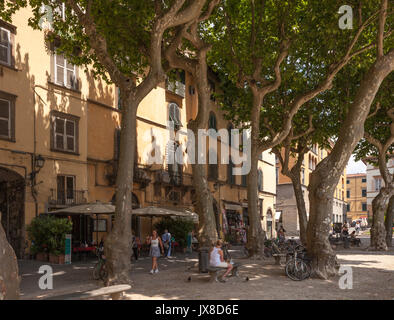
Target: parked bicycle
[100,270]
[298,265]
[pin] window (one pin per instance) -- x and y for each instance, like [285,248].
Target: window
[303,176]
[65,72]
[364,208]
[65,132]
[378,184]
[230,175]
[213,167]
[5,46]
[174,115]
[363,180]
[212,121]
[7,116]
[347,181]
[348,207]
[65,189]
[260,180]
[174,164]
[119,100]
[244,180]
[364,192]
[348,193]
[277,175]
[212,88]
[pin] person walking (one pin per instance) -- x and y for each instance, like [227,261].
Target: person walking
[155,242]
[166,238]
[358,227]
[134,245]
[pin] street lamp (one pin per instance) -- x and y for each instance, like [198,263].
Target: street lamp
[39,162]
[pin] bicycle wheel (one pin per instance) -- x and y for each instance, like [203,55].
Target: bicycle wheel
[297,269]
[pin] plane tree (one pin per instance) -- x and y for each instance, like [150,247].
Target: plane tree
[379,63]
[258,45]
[377,149]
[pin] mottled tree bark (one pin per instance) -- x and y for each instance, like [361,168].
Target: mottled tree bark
[389,222]
[9,275]
[378,229]
[327,174]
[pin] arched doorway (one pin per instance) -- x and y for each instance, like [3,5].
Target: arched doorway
[135,221]
[12,208]
[269,224]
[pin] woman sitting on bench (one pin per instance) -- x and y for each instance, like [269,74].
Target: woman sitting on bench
[216,258]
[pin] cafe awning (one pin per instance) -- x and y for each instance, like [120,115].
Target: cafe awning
[232,206]
[87,209]
[165,212]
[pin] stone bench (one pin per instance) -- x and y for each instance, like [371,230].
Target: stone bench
[115,292]
[214,272]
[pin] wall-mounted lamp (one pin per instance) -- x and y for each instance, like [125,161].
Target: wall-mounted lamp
[39,162]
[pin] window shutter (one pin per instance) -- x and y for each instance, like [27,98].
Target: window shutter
[170,156]
[117,144]
[59,69]
[5,46]
[4,118]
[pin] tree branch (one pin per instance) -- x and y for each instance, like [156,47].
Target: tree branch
[382,22]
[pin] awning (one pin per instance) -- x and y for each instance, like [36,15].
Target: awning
[277,215]
[165,212]
[87,209]
[234,207]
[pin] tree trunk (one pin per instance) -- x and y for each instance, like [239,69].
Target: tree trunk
[256,234]
[326,176]
[118,243]
[207,221]
[389,222]
[301,208]
[204,207]
[321,200]
[378,230]
[9,275]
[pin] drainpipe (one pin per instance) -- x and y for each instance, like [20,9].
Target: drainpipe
[33,156]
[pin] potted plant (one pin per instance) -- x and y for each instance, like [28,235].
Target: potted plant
[48,235]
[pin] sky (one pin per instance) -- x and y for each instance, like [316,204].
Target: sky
[355,167]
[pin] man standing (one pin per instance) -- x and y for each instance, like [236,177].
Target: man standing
[166,237]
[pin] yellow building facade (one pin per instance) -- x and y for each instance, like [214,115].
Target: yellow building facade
[59,144]
[356,195]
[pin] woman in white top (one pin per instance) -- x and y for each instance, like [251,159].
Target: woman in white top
[216,258]
[154,252]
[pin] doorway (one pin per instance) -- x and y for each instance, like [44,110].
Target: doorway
[12,209]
